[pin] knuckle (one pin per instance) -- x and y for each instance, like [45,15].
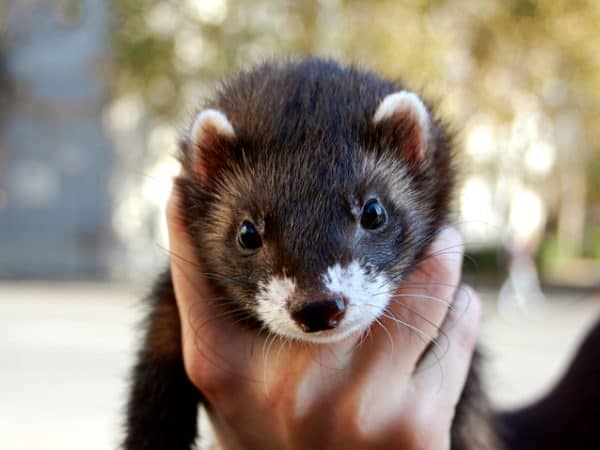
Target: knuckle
[208,378]
[467,305]
[473,307]
[466,332]
[465,318]
[431,429]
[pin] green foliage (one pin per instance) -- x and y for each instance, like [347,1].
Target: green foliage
[552,251]
[549,251]
[524,44]
[494,59]
[591,246]
[593,175]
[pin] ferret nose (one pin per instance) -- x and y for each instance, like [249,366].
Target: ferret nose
[319,315]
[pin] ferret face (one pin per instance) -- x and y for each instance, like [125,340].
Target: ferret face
[313,258]
[309,226]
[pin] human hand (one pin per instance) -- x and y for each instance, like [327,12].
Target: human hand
[395,388]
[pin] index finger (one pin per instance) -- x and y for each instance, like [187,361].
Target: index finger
[209,334]
[418,307]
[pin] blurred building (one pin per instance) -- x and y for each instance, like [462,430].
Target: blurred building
[55,159]
[99,90]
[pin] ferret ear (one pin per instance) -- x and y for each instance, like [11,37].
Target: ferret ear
[210,144]
[404,122]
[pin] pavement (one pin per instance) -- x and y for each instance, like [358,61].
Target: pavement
[65,351]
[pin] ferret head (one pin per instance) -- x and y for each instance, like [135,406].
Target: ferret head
[311,190]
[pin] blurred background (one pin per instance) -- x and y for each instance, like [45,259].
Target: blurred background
[93,94]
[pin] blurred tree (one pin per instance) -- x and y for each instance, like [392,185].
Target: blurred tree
[522,76]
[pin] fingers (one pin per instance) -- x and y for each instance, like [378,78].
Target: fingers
[189,286]
[417,309]
[212,343]
[187,276]
[443,375]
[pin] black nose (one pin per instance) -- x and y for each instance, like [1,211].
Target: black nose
[319,315]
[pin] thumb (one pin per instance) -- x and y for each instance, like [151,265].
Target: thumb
[211,339]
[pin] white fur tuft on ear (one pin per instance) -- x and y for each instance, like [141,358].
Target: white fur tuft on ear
[211,118]
[399,102]
[405,104]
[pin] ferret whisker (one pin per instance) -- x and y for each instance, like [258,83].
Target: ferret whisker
[427,283]
[435,327]
[224,315]
[320,362]
[269,344]
[214,358]
[396,297]
[462,246]
[440,332]
[228,315]
[447,304]
[271,341]
[223,279]
[389,335]
[460,314]
[361,339]
[264,361]
[210,275]
[438,329]
[387,313]
[369,334]
[423,285]
[451,307]
[438,362]
[439,253]
[426,338]
[281,345]
[446,251]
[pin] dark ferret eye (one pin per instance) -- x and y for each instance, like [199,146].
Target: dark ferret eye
[373,215]
[248,236]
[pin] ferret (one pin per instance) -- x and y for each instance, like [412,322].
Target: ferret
[311,191]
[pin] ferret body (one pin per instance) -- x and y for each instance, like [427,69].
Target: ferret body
[311,191]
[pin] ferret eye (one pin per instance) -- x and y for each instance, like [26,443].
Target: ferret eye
[373,215]
[248,237]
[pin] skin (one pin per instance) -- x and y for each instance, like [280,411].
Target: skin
[388,390]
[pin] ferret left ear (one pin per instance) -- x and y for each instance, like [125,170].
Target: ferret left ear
[404,122]
[209,144]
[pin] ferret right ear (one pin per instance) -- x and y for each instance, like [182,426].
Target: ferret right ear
[210,144]
[405,123]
